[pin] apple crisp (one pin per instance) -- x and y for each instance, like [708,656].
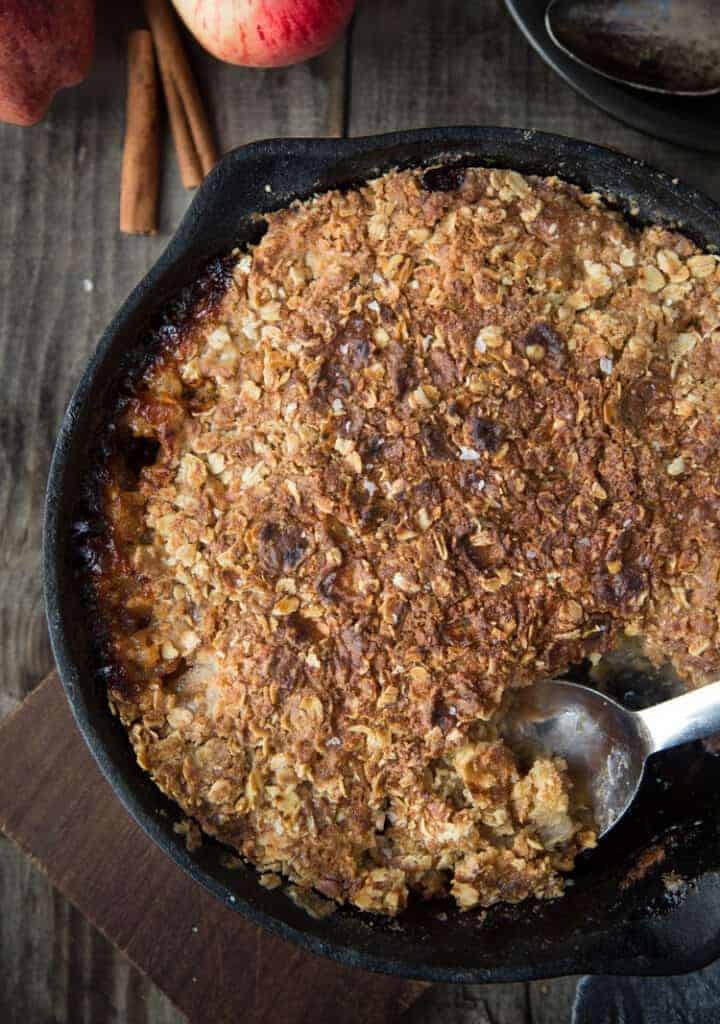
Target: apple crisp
[429,440]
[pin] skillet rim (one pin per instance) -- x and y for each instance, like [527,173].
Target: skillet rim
[625,948]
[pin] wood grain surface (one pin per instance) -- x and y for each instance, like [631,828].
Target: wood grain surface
[64,269]
[213,964]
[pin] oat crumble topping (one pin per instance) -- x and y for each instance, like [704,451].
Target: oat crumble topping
[440,436]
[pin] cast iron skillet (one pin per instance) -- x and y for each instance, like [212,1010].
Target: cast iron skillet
[604,924]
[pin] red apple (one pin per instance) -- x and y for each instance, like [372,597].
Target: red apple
[265,33]
[44,46]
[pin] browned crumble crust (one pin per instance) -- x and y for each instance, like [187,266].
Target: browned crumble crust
[429,446]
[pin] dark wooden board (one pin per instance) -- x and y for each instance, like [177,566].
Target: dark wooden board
[64,270]
[413,63]
[214,966]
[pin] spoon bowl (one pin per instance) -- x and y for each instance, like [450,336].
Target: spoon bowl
[605,745]
[670,47]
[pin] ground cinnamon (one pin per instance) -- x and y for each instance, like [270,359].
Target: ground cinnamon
[194,142]
[139,180]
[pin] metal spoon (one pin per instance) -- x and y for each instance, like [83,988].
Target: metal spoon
[605,745]
[670,47]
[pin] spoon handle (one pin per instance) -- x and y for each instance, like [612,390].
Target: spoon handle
[692,716]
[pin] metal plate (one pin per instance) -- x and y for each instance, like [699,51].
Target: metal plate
[688,122]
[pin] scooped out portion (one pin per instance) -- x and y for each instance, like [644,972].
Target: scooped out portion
[427,441]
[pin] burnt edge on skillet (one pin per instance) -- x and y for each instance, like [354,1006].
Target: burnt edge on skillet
[597,926]
[88,527]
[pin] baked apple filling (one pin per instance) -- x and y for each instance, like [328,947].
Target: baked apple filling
[429,440]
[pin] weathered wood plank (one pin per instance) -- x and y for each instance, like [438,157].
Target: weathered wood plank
[414,63]
[418,63]
[213,964]
[64,270]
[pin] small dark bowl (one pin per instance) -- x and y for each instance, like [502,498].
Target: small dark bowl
[604,924]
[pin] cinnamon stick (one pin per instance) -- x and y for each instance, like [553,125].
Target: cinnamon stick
[139,179]
[194,144]
[191,170]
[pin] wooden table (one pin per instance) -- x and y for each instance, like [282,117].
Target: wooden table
[64,269]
